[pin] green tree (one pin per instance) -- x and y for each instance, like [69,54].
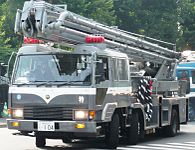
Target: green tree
[10,12]
[186,39]
[6,47]
[154,18]
[4,40]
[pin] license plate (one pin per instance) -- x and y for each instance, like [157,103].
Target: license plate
[46,126]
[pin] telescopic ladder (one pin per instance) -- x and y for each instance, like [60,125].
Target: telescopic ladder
[52,23]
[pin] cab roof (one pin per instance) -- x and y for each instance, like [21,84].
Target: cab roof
[99,49]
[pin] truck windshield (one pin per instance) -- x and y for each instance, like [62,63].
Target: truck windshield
[58,68]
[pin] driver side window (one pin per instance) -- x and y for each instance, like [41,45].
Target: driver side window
[102,73]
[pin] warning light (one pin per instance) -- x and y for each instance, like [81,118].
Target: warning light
[94,39]
[32,41]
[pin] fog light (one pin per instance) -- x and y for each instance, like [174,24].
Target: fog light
[15,124]
[80,126]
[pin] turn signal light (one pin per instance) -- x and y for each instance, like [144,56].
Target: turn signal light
[91,114]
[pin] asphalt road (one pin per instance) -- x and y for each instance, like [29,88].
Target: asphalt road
[13,140]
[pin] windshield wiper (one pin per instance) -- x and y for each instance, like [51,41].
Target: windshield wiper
[21,84]
[45,83]
[26,83]
[68,83]
[37,84]
[50,83]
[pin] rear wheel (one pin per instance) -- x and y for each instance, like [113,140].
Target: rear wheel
[171,130]
[112,133]
[133,130]
[40,141]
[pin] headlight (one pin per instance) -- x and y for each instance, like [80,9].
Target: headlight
[84,114]
[80,114]
[17,113]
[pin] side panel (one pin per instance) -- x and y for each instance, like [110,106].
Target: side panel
[154,122]
[168,103]
[166,111]
[183,109]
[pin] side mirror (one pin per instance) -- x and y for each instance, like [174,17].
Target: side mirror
[100,76]
[3,69]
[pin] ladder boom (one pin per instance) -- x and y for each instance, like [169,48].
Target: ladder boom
[52,23]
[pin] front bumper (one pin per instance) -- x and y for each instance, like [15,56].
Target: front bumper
[60,126]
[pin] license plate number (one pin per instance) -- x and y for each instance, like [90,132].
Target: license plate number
[46,126]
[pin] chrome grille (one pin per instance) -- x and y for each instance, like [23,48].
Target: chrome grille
[48,113]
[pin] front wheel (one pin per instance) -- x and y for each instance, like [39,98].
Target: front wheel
[25,132]
[66,140]
[112,133]
[40,141]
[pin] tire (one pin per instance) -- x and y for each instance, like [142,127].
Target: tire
[133,130]
[25,132]
[160,132]
[66,140]
[40,141]
[171,130]
[112,133]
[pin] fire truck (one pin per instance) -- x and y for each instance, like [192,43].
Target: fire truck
[101,82]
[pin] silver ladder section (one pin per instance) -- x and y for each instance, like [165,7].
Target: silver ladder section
[45,21]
